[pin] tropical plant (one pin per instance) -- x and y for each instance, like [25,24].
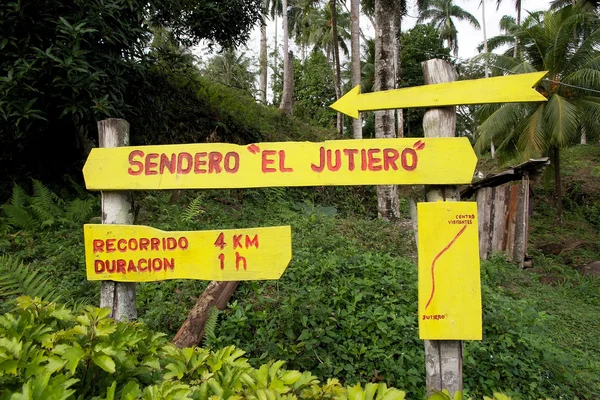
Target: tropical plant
[17,279]
[553,42]
[442,14]
[231,68]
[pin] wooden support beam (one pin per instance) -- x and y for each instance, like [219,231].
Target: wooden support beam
[116,209]
[443,358]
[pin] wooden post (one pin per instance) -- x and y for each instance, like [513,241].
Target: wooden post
[443,358]
[116,209]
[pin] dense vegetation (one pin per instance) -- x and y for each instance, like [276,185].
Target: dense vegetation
[346,305]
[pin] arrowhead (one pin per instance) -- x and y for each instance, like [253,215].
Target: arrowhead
[348,103]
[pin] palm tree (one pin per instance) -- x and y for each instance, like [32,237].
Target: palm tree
[442,14]
[518,8]
[573,64]
[286,96]
[270,8]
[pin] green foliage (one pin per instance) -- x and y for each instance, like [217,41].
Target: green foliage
[314,90]
[419,44]
[48,351]
[17,279]
[66,64]
[233,69]
[44,209]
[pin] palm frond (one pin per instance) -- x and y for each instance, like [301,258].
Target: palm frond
[532,141]
[16,279]
[562,118]
[498,125]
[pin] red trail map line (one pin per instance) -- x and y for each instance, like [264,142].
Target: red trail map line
[434,261]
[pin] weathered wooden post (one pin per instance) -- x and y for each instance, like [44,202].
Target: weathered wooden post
[116,209]
[443,358]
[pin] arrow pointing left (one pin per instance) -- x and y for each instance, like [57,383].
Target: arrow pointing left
[501,89]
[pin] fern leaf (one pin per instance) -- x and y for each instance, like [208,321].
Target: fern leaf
[19,217]
[17,279]
[193,210]
[211,324]
[80,211]
[19,198]
[46,204]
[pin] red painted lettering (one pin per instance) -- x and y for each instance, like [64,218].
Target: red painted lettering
[151,164]
[407,154]
[110,266]
[374,160]
[171,243]
[268,161]
[183,243]
[154,243]
[131,267]
[389,159]
[227,163]
[169,263]
[214,162]
[99,266]
[220,242]
[240,260]
[168,163]
[144,243]
[252,242]
[98,246]
[134,163]
[157,264]
[140,262]
[199,163]
[350,153]
[184,158]
[363,159]
[121,264]
[282,166]
[338,161]
[321,165]
[122,245]
[237,241]
[110,245]
[222,260]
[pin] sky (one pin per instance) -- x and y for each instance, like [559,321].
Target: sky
[468,37]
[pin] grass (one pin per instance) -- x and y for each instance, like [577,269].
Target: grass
[346,306]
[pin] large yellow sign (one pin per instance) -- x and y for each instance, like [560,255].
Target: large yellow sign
[339,162]
[500,89]
[449,277]
[133,253]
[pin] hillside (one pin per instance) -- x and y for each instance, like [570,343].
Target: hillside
[346,306]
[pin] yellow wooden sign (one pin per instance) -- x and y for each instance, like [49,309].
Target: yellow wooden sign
[338,162]
[501,89]
[134,253]
[449,277]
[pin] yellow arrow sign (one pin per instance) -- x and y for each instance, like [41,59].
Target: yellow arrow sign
[134,253]
[339,162]
[501,89]
[449,282]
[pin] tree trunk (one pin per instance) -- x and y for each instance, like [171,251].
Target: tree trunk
[288,85]
[275,54]
[216,294]
[397,62]
[336,61]
[355,60]
[263,65]
[485,44]
[516,51]
[385,28]
[286,96]
[557,183]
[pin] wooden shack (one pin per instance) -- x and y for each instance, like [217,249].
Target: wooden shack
[504,208]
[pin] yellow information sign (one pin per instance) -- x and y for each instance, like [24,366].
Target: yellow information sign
[134,253]
[501,89]
[449,277]
[338,162]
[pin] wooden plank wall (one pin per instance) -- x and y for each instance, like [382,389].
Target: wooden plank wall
[504,220]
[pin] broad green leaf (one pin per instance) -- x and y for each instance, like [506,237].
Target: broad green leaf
[104,362]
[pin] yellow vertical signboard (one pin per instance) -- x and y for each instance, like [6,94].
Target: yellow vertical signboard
[449,276]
